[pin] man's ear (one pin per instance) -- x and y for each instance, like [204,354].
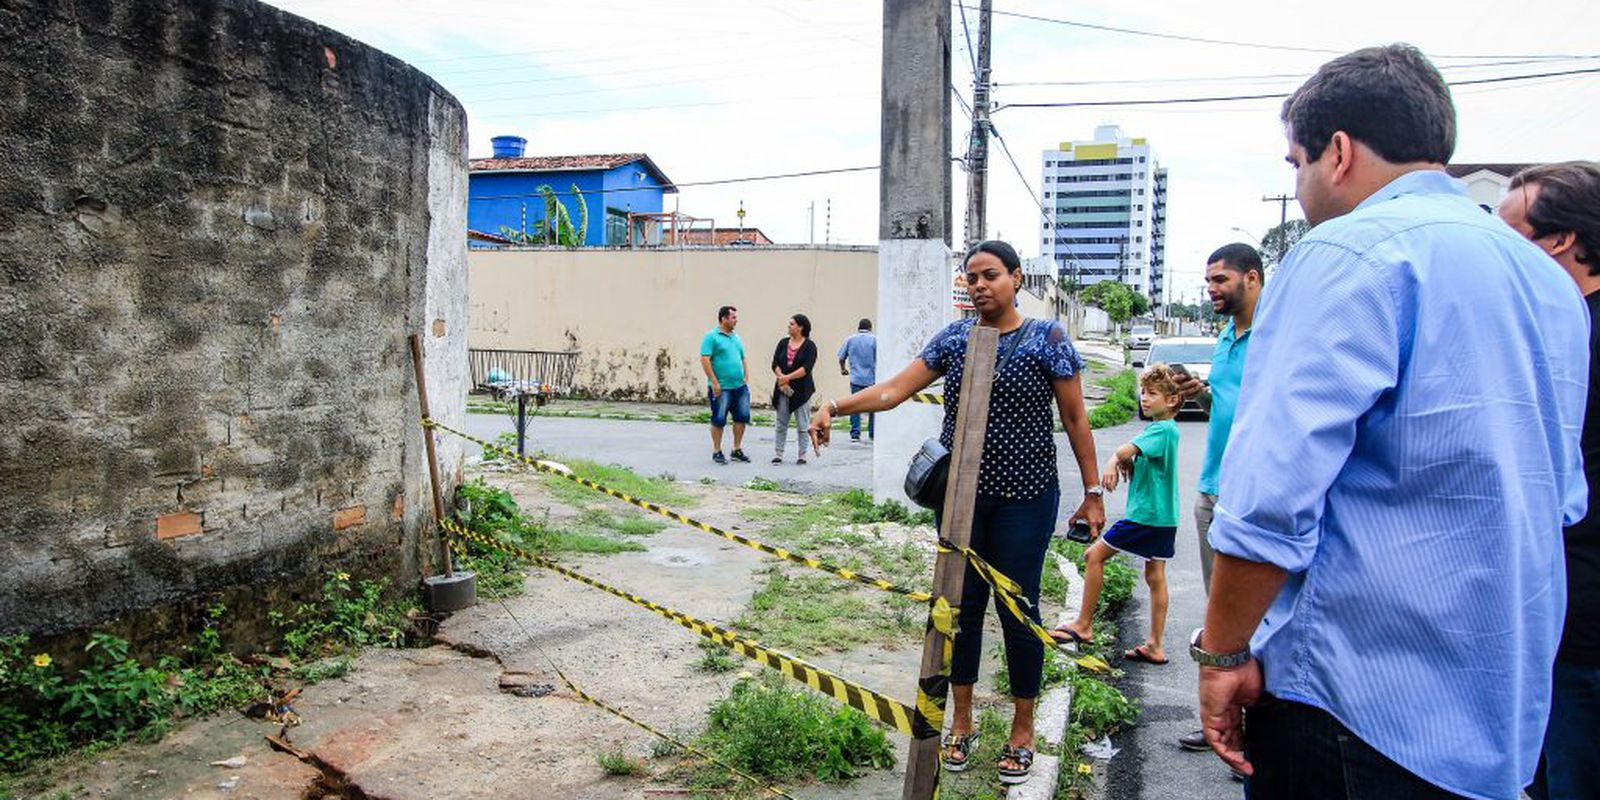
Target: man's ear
[1342,149]
[1561,243]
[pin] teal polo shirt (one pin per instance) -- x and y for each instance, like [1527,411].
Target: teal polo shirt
[727,357]
[1227,368]
[1153,487]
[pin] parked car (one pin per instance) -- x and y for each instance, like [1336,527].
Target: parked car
[1193,352]
[1140,336]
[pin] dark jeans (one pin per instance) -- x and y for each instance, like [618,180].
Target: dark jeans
[1301,752]
[1012,536]
[855,419]
[1569,767]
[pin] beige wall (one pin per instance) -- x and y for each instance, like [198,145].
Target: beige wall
[637,316]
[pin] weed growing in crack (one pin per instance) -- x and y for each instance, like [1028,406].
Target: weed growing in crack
[619,763]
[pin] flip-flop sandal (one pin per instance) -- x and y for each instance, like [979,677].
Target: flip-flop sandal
[1074,637]
[1142,653]
[1023,757]
[960,744]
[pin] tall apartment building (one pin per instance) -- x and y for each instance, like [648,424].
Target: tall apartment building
[1108,204]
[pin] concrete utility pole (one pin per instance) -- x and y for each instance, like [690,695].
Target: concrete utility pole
[914,268]
[978,143]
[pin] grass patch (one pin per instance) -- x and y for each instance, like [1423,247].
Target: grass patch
[1099,707]
[619,763]
[493,513]
[655,490]
[629,525]
[1120,405]
[714,658]
[785,734]
[760,484]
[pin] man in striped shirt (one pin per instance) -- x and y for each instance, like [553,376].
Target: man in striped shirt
[1387,591]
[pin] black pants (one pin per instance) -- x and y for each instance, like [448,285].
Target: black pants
[1301,752]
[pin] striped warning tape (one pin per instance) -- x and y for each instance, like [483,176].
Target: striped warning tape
[1009,595]
[619,713]
[884,709]
[787,555]
[927,397]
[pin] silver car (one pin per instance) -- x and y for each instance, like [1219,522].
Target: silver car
[1193,352]
[1140,336]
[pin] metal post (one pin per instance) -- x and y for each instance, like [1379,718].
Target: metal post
[522,421]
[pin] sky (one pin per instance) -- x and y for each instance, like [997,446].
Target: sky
[719,89]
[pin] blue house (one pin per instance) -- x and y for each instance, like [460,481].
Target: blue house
[503,197]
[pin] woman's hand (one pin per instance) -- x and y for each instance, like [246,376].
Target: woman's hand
[821,427]
[1093,511]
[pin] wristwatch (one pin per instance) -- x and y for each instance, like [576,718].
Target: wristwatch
[1094,491]
[1205,658]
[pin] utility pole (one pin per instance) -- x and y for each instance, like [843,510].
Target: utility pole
[1283,207]
[914,271]
[978,141]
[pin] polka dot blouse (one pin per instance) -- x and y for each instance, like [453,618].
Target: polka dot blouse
[1019,449]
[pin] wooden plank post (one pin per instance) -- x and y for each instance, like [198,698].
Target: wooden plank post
[433,461]
[972,419]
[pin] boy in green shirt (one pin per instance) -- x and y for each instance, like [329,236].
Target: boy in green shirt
[1148,529]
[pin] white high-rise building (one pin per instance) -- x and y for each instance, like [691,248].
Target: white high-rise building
[1108,202]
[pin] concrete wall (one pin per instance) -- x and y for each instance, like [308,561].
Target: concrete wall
[637,315]
[218,224]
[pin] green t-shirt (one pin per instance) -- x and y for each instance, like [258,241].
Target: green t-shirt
[727,357]
[1153,490]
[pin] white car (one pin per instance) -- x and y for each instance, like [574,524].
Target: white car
[1140,336]
[1193,352]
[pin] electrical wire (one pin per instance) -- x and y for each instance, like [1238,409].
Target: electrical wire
[1268,76]
[1233,43]
[1271,96]
[717,182]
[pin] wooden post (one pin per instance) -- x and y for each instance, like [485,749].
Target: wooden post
[972,419]
[433,461]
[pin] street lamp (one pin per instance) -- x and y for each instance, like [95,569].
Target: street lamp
[1247,233]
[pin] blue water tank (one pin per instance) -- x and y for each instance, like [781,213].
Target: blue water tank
[508,146]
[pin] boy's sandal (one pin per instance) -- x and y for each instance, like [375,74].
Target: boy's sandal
[1022,757]
[956,744]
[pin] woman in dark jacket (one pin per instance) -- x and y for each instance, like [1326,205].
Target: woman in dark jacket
[792,362]
[1037,376]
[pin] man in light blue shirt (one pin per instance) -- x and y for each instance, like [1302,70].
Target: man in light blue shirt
[1387,592]
[1234,276]
[858,358]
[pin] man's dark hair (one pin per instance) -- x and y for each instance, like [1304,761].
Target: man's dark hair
[722,313]
[1239,257]
[1392,99]
[994,247]
[805,324]
[1568,200]
[864,325]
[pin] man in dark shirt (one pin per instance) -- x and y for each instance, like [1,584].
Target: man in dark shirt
[1557,207]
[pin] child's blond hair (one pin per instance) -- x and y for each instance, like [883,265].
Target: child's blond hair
[1161,379]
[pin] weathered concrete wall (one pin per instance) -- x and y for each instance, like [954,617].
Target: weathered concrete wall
[218,224]
[637,316]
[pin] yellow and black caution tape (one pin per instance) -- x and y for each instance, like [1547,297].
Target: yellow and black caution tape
[927,397]
[787,555]
[882,708]
[934,690]
[1011,598]
[620,714]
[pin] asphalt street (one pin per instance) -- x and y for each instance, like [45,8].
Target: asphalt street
[1151,765]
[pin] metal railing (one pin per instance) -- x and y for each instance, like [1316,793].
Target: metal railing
[555,369]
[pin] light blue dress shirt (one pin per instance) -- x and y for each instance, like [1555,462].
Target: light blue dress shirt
[1406,447]
[1227,369]
[861,351]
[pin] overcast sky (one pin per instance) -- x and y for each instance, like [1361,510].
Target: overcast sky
[715,89]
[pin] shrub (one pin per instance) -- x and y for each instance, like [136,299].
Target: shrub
[1120,404]
[778,732]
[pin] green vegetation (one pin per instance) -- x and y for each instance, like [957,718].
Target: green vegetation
[492,512]
[1120,405]
[760,484]
[1100,707]
[777,732]
[618,762]
[655,490]
[1120,302]
[715,658]
[978,782]
[348,615]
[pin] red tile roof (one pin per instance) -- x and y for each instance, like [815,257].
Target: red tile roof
[601,161]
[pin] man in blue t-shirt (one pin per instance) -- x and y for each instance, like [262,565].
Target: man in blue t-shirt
[858,358]
[722,357]
[1233,281]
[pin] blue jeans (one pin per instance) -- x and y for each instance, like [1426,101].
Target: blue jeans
[1569,767]
[1301,752]
[731,401]
[1012,536]
[855,419]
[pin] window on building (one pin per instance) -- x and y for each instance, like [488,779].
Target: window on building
[1141,159]
[616,227]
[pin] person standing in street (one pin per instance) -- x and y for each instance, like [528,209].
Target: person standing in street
[858,358]
[1388,586]
[1557,207]
[792,362]
[722,358]
[1234,277]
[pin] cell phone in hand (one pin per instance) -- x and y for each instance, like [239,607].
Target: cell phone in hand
[1179,369]
[1078,531]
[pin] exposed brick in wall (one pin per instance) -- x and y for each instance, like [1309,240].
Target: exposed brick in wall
[218,225]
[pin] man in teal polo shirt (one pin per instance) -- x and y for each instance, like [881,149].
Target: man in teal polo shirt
[1233,280]
[722,358]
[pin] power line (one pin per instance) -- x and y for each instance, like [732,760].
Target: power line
[1229,42]
[967,34]
[680,184]
[1272,96]
[1268,76]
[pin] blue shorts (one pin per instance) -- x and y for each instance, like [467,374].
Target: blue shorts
[736,401]
[1153,542]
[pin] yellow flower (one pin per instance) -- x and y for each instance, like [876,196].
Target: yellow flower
[343,576]
[41,660]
